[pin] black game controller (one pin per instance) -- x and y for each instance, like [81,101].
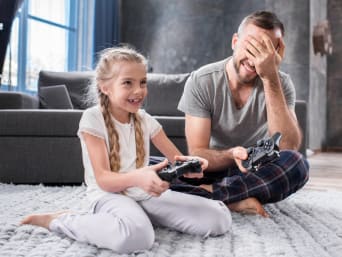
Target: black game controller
[267,150]
[179,169]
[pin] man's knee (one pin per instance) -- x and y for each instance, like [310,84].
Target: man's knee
[297,166]
[302,168]
[298,163]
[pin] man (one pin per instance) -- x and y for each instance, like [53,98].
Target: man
[231,104]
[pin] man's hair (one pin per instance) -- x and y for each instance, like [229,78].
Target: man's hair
[263,19]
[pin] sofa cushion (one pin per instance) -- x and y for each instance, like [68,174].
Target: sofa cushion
[164,92]
[55,97]
[77,83]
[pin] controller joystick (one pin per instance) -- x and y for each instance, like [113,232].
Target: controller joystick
[266,150]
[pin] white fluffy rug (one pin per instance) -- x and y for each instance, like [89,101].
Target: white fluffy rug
[307,224]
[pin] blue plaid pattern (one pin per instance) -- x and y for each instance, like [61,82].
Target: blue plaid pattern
[270,183]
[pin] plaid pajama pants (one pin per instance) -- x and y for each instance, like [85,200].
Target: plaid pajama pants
[270,183]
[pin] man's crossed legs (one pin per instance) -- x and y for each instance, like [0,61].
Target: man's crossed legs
[246,192]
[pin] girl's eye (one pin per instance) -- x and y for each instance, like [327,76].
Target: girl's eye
[143,83]
[127,82]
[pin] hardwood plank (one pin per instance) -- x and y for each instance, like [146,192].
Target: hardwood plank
[325,171]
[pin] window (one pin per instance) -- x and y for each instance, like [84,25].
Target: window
[48,35]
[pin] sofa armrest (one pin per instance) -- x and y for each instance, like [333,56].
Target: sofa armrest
[40,146]
[39,122]
[18,100]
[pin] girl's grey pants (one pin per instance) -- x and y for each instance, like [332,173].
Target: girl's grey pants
[123,225]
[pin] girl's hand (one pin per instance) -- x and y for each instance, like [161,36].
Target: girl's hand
[239,154]
[204,165]
[149,181]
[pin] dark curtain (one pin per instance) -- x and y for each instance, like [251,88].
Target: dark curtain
[8,9]
[106,25]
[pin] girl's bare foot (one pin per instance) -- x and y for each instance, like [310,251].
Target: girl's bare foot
[250,205]
[42,220]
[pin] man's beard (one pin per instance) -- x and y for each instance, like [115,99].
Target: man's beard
[239,77]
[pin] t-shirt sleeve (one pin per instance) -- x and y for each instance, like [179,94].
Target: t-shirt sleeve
[194,100]
[151,124]
[288,90]
[92,123]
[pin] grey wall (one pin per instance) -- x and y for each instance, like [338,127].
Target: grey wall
[296,18]
[176,35]
[181,35]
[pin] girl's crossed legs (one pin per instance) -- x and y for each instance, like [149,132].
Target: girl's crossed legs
[123,225]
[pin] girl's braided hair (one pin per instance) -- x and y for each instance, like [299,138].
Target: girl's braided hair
[105,71]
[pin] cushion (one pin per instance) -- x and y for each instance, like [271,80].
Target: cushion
[76,82]
[55,97]
[164,93]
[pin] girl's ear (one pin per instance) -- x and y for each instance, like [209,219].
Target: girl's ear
[104,89]
[235,38]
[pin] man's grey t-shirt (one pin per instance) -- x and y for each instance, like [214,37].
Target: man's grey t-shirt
[207,95]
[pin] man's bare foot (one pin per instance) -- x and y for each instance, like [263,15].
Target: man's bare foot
[250,205]
[41,220]
[209,188]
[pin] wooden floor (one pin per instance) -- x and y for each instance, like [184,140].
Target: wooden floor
[325,171]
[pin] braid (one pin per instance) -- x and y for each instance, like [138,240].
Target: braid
[139,141]
[114,146]
[106,71]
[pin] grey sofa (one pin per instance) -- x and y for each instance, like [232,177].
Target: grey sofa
[41,146]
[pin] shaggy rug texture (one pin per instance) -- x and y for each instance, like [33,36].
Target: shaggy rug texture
[307,224]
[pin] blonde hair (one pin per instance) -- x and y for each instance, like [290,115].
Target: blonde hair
[105,71]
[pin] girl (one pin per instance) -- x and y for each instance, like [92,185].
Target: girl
[127,196]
